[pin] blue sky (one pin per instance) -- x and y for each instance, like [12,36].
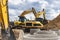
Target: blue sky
[16,7]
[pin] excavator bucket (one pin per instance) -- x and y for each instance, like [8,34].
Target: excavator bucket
[34,11]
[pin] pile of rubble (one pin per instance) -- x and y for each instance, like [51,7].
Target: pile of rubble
[54,24]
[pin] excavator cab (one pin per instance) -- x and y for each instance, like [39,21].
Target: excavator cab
[22,19]
[39,19]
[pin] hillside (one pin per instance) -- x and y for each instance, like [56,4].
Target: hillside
[54,24]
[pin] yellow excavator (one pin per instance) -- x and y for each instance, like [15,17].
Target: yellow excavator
[29,24]
[24,23]
[37,23]
[5,29]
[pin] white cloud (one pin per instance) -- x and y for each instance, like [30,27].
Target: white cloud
[52,6]
[53,9]
[44,4]
[12,11]
[53,14]
[16,2]
[30,16]
[12,18]
[14,14]
[58,11]
[55,4]
[33,0]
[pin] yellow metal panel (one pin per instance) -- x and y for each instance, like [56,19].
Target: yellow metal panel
[4,13]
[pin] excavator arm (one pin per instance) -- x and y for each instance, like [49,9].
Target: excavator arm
[22,16]
[34,12]
[37,15]
[7,33]
[4,17]
[41,13]
[29,11]
[25,12]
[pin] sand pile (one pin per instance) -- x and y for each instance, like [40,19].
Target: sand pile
[54,24]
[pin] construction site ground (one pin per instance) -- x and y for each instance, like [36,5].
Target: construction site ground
[43,35]
[38,35]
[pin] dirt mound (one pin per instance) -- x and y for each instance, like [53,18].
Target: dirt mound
[54,24]
[57,19]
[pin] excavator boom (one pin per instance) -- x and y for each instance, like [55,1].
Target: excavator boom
[41,13]
[25,12]
[6,33]
[4,18]
[37,15]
